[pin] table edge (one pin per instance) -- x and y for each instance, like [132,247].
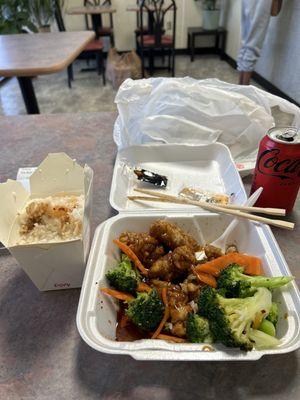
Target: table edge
[52,68]
[72,11]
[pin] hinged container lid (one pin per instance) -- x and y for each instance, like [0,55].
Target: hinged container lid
[209,167]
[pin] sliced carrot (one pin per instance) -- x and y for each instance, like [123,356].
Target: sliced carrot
[143,287]
[164,296]
[207,268]
[162,323]
[170,338]
[257,320]
[117,294]
[252,265]
[130,254]
[166,314]
[208,279]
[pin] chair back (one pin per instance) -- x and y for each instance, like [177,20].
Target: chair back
[58,17]
[158,9]
[97,3]
[138,15]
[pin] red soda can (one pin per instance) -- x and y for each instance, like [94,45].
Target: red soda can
[277,168]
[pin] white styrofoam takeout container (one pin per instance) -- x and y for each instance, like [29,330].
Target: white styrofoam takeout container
[97,312]
[96,316]
[208,167]
[51,266]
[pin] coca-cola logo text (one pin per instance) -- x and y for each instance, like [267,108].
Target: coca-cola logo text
[269,163]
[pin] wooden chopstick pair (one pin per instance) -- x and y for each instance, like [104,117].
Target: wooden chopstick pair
[231,209]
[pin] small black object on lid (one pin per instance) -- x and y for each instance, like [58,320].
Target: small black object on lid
[151,177]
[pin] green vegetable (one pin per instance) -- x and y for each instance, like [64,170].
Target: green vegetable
[124,277]
[267,327]
[273,314]
[231,319]
[197,329]
[146,311]
[261,340]
[237,284]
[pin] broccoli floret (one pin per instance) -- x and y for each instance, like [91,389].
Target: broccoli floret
[197,329]
[273,314]
[206,301]
[267,327]
[146,311]
[261,340]
[237,284]
[124,277]
[230,320]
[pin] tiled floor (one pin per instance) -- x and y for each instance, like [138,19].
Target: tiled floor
[88,93]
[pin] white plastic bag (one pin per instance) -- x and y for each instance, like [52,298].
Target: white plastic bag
[185,110]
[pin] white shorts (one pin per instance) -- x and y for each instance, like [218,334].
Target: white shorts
[255,21]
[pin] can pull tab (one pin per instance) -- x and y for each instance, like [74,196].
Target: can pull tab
[289,135]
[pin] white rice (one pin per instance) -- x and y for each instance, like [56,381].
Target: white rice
[51,219]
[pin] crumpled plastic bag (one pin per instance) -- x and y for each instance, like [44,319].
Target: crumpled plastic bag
[185,110]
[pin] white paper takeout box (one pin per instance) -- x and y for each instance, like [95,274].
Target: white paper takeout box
[50,266]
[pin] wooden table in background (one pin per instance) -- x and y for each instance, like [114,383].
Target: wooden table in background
[42,356]
[27,55]
[94,12]
[90,10]
[146,8]
[220,35]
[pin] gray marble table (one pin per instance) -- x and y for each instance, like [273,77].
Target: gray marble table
[41,353]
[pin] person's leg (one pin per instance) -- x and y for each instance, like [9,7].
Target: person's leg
[255,21]
[246,77]
[276,7]
[245,26]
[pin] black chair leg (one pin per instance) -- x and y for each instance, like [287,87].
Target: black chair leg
[86,22]
[100,65]
[98,61]
[112,40]
[163,56]
[136,43]
[169,60]
[102,68]
[173,62]
[70,75]
[151,61]
[143,61]
[192,43]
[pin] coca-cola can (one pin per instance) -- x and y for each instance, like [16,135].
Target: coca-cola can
[277,168]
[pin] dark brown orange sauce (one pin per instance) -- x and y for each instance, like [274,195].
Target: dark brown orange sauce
[126,331]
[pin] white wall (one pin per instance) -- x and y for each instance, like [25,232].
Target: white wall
[233,25]
[280,58]
[74,22]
